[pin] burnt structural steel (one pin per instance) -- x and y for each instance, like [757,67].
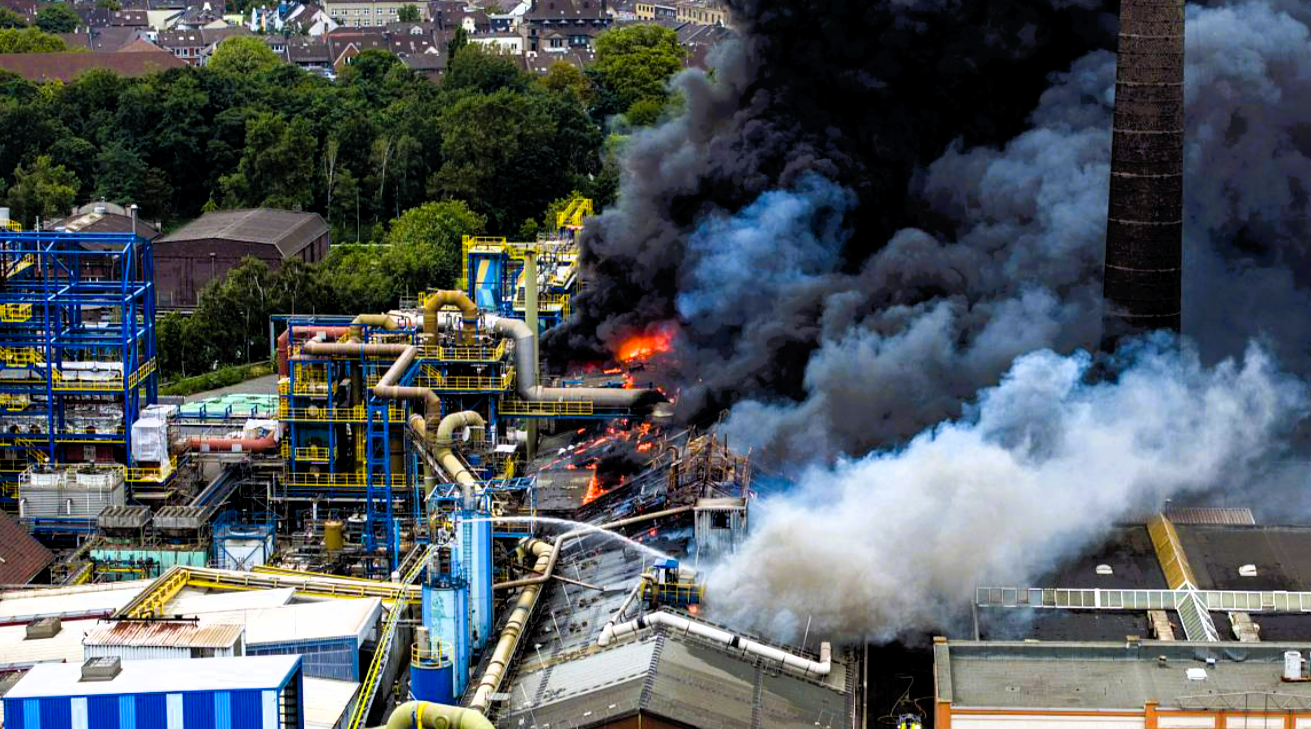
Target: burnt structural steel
[1144,227]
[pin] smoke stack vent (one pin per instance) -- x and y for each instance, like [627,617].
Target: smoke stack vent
[1144,228]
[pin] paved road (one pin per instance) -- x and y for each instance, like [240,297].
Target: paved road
[266,385]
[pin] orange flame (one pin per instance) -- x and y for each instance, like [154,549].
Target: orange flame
[593,489]
[644,345]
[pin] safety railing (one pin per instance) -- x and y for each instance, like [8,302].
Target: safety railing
[434,380]
[12,267]
[546,409]
[15,313]
[469,353]
[152,474]
[356,414]
[438,656]
[1102,599]
[14,403]
[344,481]
[313,453]
[373,679]
[20,356]
[62,382]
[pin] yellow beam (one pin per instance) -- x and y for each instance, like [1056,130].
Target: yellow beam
[1170,552]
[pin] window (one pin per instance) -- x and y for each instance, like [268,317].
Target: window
[719,520]
[557,43]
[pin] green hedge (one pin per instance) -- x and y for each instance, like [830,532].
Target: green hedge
[224,377]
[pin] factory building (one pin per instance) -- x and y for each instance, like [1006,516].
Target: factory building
[263,693]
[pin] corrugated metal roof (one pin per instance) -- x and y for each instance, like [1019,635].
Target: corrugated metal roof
[197,603]
[327,700]
[159,676]
[68,602]
[1202,515]
[289,231]
[165,634]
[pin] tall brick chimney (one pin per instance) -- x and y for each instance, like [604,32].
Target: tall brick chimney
[1144,227]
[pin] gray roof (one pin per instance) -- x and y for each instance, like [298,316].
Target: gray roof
[677,678]
[106,222]
[1282,556]
[1105,676]
[289,231]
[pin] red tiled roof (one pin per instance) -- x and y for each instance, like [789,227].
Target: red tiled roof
[21,556]
[42,67]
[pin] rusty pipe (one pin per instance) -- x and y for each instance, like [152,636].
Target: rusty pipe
[235,445]
[302,332]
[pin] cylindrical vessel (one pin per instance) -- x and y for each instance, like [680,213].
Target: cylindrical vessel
[1292,665]
[333,540]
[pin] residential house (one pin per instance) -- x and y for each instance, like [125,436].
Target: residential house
[540,63]
[369,13]
[309,53]
[194,47]
[301,19]
[104,39]
[699,39]
[94,17]
[428,65]
[64,67]
[193,18]
[507,43]
[570,24]
[215,243]
[654,11]
[701,13]
[345,44]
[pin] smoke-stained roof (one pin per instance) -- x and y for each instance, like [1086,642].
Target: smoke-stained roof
[1282,556]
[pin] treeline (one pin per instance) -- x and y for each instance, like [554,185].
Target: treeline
[249,130]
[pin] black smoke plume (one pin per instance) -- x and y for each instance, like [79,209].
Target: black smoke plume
[874,208]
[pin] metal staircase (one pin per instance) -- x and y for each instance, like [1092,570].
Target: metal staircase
[373,679]
[379,520]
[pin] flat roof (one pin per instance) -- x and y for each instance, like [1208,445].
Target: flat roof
[159,676]
[1127,550]
[327,701]
[1017,623]
[194,602]
[1282,556]
[348,617]
[16,651]
[68,602]
[1107,676]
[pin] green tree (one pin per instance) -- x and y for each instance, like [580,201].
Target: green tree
[477,68]
[120,174]
[277,168]
[243,55]
[459,39]
[111,5]
[41,189]
[10,19]
[408,14]
[57,18]
[424,250]
[30,40]
[565,78]
[635,64]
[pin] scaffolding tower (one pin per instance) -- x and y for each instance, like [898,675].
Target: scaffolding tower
[77,351]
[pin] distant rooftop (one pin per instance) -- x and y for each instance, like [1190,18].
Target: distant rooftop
[21,556]
[288,230]
[1110,676]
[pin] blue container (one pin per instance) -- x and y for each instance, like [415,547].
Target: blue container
[433,684]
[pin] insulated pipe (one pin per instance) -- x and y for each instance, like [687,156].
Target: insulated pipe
[458,299]
[559,541]
[386,387]
[420,428]
[525,359]
[372,320]
[804,666]
[425,715]
[442,442]
[284,342]
[251,445]
[632,596]
[523,609]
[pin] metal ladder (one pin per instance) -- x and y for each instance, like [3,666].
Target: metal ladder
[378,519]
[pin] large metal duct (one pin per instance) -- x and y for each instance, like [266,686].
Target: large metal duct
[458,299]
[514,626]
[1144,227]
[425,715]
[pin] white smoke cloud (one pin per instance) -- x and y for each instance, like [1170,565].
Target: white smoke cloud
[1038,468]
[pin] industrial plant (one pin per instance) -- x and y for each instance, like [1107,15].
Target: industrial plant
[419,528]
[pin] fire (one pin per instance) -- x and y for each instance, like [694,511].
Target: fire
[644,345]
[593,489]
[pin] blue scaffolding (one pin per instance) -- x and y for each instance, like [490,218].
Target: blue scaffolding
[77,349]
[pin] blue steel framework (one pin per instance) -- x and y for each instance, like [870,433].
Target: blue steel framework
[52,286]
[493,271]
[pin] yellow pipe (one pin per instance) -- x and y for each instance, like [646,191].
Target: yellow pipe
[425,715]
[523,609]
[458,299]
[372,320]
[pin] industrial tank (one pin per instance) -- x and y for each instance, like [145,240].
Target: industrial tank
[333,540]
